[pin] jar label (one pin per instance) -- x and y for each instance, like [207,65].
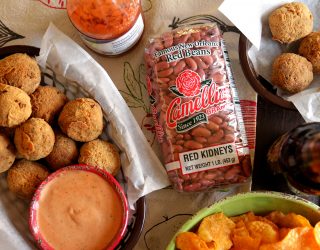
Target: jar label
[121,44]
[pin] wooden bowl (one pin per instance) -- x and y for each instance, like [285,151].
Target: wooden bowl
[264,88]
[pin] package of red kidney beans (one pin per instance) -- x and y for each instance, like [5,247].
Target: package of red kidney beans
[196,109]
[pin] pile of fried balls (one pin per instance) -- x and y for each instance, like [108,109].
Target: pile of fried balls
[293,72]
[42,131]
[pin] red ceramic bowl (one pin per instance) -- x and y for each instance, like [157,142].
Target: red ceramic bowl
[33,220]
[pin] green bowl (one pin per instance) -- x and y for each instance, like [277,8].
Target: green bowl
[257,202]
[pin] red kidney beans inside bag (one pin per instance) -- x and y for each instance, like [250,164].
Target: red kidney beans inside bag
[196,109]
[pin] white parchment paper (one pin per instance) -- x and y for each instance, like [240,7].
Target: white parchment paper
[249,16]
[142,168]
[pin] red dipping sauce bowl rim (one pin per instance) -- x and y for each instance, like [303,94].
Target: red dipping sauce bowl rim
[33,224]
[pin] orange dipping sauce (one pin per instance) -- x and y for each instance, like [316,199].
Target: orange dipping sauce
[79,210]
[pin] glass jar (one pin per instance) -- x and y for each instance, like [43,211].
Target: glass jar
[109,27]
[296,154]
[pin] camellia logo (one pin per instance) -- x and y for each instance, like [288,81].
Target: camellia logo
[205,94]
[188,83]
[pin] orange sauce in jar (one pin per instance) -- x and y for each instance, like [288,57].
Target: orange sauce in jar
[101,21]
[79,210]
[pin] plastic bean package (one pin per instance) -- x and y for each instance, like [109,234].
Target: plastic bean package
[196,109]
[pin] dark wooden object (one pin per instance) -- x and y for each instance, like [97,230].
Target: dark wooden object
[272,122]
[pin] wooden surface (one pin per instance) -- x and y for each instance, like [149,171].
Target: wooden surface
[272,122]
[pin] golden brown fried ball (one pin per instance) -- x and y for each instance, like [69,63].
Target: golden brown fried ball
[47,102]
[25,176]
[101,154]
[81,119]
[7,153]
[290,22]
[64,153]
[34,139]
[291,72]
[21,71]
[310,49]
[15,106]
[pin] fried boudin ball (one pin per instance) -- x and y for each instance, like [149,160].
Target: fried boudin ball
[15,106]
[47,102]
[310,49]
[101,154]
[291,72]
[25,176]
[81,119]
[21,71]
[7,153]
[290,22]
[64,153]
[34,139]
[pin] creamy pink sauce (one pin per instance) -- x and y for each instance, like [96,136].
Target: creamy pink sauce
[79,210]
